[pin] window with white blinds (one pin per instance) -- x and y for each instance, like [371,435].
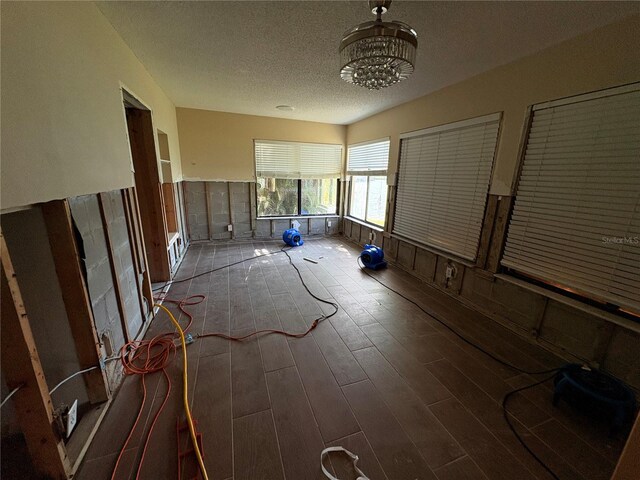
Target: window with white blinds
[443,182]
[576,218]
[277,159]
[371,158]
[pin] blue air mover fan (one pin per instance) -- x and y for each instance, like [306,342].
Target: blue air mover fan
[292,237]
[373,257]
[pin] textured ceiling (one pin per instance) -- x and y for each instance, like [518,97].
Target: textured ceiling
[248,57]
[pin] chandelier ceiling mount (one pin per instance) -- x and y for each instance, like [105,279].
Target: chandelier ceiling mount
[378,54]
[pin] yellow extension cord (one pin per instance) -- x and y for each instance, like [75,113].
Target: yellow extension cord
[185,394]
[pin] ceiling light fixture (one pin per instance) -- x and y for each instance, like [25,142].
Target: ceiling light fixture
[378,54]
[285,108]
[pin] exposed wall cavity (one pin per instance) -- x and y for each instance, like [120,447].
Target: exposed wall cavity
[28,245]
[214,206]
[86,214]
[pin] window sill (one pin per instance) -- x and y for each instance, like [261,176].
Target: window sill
[372,226]
[572,302]
[304,217]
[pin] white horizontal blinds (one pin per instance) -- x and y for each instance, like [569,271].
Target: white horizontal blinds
[576,218]
[297,160]
[370,158]
[443,183]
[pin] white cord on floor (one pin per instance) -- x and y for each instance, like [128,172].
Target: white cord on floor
[354,459]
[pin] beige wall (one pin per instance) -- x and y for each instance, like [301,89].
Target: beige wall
[603,58]
[63,126]
[219,145]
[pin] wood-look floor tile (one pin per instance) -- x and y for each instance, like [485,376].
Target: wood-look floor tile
[212,410]
[488,453]
[248,387]
[596,434]
[350,333]
[298,434]
[435,444]
[367,461]
[102,467]
[489,413]
[586,460]
[462,469]
[341,361]
[398,456]
[255,446]
[330,408]
[416,374]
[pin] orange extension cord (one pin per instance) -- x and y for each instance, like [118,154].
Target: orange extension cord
[150,356]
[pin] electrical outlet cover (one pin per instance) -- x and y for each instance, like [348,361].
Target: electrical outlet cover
[72,418]
[449,272]
[230,228]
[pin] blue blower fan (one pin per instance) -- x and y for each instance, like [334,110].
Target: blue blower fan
[373,257]
[292,237]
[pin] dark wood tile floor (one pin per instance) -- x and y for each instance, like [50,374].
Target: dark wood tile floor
[380,378]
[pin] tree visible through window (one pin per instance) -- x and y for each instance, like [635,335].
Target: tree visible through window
[297,178]
[284,196]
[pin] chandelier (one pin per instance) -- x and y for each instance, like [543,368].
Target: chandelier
[378,54]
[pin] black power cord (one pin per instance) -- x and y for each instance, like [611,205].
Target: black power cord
[171,282]
[505,414]
[327,302]
[501,361]
[437,318]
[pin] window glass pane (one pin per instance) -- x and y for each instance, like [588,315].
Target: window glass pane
[377,200]
[358,197]
[319,196]
[277,196]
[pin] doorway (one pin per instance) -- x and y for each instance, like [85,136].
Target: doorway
[148,187]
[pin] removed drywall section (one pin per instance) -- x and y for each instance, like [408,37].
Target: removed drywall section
[219,204]
[241,208]
[28,244]
[212,206]
[86,215]
[129,285]
[196,207]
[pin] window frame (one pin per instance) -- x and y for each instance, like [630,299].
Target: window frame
[486,120]
[557,286]
[368,174]
[299,203]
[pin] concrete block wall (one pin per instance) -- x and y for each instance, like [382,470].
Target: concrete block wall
[233,203]
[129,283]
[196,208]
[86,214]
[571,328]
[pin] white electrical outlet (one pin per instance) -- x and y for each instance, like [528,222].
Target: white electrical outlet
[229,228]
[449,272]
[72,418]
[328,223]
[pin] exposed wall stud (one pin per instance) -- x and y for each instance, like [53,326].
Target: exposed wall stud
[57,216]
[21,365]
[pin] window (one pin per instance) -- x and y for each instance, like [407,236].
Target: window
[367,165]
[576,218]
[443,182]
[297,178]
